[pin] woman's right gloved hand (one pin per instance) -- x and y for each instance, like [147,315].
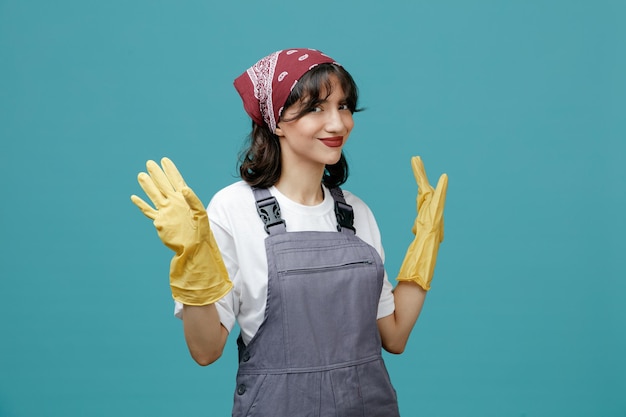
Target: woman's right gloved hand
[197,272]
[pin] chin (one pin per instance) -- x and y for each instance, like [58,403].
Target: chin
[333,159]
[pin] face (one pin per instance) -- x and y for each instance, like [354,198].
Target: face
[317,138]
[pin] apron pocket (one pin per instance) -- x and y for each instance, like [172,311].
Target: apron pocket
[279,395]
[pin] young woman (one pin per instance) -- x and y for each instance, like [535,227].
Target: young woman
[290,257]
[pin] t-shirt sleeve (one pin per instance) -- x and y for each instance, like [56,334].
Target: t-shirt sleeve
[227,306]
[386,304]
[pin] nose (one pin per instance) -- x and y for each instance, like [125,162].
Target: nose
[336,121]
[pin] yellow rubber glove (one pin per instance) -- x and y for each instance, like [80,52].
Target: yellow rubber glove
[197,272]
[420,259]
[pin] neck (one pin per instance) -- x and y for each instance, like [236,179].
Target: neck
[302,185]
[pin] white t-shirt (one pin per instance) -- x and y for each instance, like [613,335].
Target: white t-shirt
[240,235]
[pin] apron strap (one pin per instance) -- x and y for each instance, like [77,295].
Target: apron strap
[343,211]
[269,211]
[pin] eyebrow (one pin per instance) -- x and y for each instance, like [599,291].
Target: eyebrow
[325,100]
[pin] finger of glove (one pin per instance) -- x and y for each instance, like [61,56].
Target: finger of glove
[173,174]
[420,173]
[152,191]
[145,208]
[193,201]
[424,189]
[439,199]
[159,178]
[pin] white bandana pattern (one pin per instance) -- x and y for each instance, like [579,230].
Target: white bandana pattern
[261,74]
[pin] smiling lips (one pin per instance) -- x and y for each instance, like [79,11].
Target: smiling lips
[334,142]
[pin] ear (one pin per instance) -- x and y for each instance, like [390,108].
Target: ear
[279,131]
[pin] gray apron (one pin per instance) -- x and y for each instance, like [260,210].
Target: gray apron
[318,350]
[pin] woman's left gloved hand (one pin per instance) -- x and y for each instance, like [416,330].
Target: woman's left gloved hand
[420,259]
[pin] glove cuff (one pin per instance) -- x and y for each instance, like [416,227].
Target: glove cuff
[201,296]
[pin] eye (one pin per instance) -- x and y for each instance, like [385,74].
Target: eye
[315,109]
[344,107]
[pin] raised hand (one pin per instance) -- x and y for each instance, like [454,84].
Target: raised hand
[419,262]
[197,272]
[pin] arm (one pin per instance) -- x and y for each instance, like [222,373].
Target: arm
[204,334]
[419,262]
[198,276]
[396,328]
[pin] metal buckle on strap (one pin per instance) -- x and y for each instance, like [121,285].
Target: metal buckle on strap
[345,216]
[269,211]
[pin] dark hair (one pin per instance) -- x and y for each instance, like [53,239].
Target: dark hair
[259,162]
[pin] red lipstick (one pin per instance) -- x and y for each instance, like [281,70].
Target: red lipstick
[333,142]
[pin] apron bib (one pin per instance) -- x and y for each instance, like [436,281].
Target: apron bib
[318,351]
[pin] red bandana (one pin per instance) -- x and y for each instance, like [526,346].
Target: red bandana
[265,87]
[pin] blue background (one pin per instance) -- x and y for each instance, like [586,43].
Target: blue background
[522,103]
